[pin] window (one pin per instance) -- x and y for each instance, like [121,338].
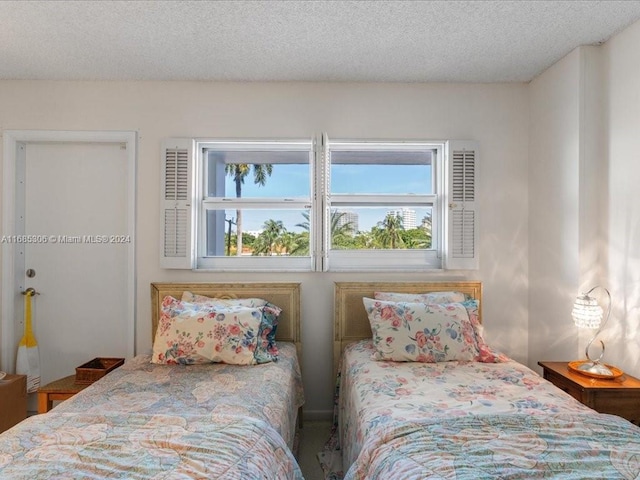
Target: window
[384,205]
[330,205]
[255,207]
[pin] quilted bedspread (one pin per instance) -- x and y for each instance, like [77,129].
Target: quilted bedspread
[507,446]
[146,421]
[469,420]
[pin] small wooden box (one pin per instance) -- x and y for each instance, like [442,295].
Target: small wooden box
[95,369]
[13,400]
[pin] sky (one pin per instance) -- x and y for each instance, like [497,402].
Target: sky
[292,181]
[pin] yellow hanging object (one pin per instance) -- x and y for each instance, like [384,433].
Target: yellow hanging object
[29,339]
[28,360]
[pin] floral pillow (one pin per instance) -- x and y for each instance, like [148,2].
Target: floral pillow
[267,350]
[487,354]
[421,332]
[431,297]
[191,333]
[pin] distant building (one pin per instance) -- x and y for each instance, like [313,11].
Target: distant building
[348,217]
[408,217]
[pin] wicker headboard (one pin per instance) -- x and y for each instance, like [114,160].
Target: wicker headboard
[284,295]
[351,322]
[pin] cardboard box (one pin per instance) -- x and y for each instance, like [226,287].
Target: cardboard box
[95,369]
[13,400]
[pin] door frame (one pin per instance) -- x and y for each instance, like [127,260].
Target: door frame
[13,197]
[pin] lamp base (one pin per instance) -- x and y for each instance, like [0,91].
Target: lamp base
[596,370]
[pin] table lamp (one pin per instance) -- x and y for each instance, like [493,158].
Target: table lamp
[587,313]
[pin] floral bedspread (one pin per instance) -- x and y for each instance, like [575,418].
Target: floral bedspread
[567,446]
[458,420]
[147,421]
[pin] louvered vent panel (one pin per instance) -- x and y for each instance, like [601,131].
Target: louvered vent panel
[175,240]
[177,174]
[463,233]
[464,173]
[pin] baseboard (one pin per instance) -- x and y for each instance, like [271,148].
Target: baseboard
[317,415]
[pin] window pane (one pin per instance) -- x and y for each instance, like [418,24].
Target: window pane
[381,172]
[251,174]
[367,228]
[265,232]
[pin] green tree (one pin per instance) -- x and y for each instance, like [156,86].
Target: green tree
[416,238]
[289,243]
[341,235]
[387,233]
[270,240]
[302,248]
[239,171]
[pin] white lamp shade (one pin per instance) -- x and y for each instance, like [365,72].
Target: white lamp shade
[586,312]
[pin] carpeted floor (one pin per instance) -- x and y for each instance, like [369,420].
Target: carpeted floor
[312,438]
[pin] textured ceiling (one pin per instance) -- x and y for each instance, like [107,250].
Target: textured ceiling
[406,41]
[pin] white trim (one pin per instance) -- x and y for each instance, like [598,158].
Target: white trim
[323,205]
[383,200]
[275,263]
[254,144]
[255,203]
[207,203]
[385,259]
[178,205]
[451,260]
[11,141]
[418,260]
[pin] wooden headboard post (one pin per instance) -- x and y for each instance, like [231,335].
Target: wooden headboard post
[351,322]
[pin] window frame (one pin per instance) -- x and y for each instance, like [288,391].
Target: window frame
[205,203]
[386,259]
[181,194]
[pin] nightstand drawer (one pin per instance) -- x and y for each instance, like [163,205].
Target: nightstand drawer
[619,396]
[625,405]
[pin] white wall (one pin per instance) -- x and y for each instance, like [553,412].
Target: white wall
[622,261]
[494,115]
[584,227]
[553,207]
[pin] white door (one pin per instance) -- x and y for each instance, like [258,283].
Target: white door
[74,208]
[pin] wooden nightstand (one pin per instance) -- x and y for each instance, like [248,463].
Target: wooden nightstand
[13,400]
[619,396]
[59,390]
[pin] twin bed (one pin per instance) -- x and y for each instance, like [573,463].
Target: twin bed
[168,421]
[422,417]
[406,420]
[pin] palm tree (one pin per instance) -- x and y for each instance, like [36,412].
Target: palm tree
[270,239]
[238,171]
[303,247]
[289,243]
[338,232]
[388,231]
